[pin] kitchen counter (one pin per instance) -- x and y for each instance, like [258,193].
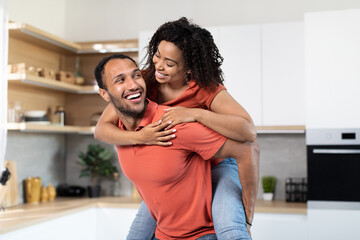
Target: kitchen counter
[27,215]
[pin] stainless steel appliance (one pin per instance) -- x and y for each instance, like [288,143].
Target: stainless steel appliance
[333,158]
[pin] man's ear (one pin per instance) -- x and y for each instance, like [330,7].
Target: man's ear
[104,94]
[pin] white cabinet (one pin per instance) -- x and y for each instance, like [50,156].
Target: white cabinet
[114,223]
[332,53]
[279,226]
[90,224]
[240,47]
[334,224]
[283,74]
[81,225]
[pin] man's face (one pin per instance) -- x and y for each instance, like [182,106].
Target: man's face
[126,87]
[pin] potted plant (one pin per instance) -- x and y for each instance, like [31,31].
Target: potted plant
[97,162]
[268,184]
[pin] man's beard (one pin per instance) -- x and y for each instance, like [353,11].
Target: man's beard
[126,110]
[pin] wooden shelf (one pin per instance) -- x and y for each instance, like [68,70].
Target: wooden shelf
[41,38]
[22,78]
[280,129]
[50,128]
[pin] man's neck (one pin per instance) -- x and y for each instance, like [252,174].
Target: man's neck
[131,123]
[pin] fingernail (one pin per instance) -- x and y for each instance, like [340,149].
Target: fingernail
[173,135]
[174,130]
[169,122]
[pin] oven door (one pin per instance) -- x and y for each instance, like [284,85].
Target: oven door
[333,172]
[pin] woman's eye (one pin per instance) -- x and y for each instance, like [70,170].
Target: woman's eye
[169,65]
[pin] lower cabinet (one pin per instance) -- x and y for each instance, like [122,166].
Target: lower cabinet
[279,226]
[90,224]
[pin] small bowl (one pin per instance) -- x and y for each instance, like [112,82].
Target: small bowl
[35,113]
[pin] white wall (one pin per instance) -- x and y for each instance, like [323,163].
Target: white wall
[48,15]
[113,19]
[91,20]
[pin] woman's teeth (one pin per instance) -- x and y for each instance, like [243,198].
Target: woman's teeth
[159,74]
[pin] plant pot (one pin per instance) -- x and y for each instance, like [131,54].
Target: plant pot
[94,191]
[268,196]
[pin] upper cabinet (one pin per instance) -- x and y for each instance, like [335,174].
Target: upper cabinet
[332,53]
[37,56]
[264,71]
[283,74]
[240,48]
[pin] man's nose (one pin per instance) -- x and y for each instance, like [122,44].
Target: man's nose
[131,83]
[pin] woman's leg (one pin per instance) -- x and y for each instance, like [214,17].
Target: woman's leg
[227,207]
[143,226]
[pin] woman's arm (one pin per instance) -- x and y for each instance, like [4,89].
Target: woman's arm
[107,130]
[226,116]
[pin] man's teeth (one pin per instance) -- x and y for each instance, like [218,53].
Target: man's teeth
[136,95]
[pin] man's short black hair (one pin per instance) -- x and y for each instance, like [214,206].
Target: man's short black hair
[99,69]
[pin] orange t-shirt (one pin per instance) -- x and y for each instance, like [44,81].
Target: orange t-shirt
[174,181]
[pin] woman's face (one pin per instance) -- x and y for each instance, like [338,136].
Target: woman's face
[169,64]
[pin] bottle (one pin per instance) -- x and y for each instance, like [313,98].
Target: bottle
[116,186]
[79,80]
[60,115]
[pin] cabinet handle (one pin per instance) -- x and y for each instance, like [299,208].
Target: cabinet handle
[336,151]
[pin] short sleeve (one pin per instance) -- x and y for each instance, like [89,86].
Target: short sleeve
[205,95]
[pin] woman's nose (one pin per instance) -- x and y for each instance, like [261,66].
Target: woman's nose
[159,65]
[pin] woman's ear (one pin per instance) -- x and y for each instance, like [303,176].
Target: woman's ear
[104,94]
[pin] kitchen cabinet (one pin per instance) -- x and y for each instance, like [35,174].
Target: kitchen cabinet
[264,71]
[283,74]
[240,48]
[279,226]
[37,48]
[332,53]
[91,224]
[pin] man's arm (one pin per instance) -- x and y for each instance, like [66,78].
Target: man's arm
[247,158]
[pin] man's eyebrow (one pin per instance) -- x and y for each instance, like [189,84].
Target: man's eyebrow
[122,74]
[117,76]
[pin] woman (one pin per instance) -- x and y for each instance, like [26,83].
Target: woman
[183,69]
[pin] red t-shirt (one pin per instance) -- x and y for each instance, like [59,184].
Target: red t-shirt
[174,181]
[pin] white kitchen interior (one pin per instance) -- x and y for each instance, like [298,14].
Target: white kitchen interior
[294,66]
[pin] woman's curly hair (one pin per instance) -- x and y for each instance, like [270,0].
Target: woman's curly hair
[201,56]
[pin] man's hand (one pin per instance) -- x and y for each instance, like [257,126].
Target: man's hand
[153,134]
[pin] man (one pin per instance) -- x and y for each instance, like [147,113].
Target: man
[174,181]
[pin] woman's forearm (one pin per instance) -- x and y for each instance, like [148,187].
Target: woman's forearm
[110,133]
[230,126]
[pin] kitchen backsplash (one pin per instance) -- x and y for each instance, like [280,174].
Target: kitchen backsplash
[42,154]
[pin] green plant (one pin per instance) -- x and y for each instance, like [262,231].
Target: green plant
[268,183]
[97,162]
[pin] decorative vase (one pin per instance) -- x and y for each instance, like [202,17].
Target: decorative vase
[268,196]
[94,191]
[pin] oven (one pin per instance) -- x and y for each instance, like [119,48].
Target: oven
[333,164]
